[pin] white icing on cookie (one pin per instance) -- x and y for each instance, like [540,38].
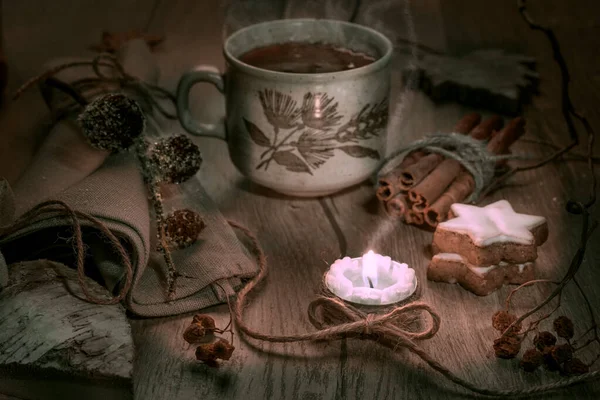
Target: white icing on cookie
[481,271]
[448,257]
[522,266]
[497,222]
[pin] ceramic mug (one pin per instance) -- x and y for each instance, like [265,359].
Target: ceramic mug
[301,134]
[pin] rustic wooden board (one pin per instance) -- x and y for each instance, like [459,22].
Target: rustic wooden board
[298,235]
[48,334]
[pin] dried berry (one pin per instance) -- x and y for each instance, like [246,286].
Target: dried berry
[195,334]
[112,122]
[204,353]
[543,340]
[176,159]
[201,330]
[562,353]
[223,349]
[563,327]
[502,320]
[551,363]
[575,367]
[205,320]
[532,359]
[507,346]
[210,353]
[182,228]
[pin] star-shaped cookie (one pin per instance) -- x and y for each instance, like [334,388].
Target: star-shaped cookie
[494,223]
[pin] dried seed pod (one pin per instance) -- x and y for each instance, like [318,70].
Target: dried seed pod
[223,349]
[507,346]
[112,122]
[176,159]
[195,334]
[563,327]
[182,228]
[532,359]
[209,353]
[204,353]
[201,330]
[551,363]
[575,367]
[204,320]
[562,353]
[543,340]
[502,320]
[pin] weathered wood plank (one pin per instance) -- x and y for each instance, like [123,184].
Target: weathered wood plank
[295,249]
[298,234]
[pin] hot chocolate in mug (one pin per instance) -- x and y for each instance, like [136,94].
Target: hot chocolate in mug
[306,103]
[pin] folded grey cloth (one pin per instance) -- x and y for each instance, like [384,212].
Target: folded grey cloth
[117,196]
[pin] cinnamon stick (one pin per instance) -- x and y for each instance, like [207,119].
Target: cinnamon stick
[397,206]
[435,184]
[467,123]
[413,217]
[413,174]
[388,184]
[464,184]
[457,192]
[500,143]
[486,128]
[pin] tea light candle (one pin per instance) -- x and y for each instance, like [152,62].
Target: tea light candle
[372,279]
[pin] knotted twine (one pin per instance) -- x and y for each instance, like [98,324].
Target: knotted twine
[58,208]
[336,320]
[471,153]
[150,94]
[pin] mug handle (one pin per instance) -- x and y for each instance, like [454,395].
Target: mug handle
[201,73]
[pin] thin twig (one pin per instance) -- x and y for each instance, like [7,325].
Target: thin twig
[574,207]
[528,283]
[228,327]
[534,324]
[153,185]
[574,156]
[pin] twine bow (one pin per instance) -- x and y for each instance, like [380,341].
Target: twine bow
[336,320]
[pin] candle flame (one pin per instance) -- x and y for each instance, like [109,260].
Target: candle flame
[369,268]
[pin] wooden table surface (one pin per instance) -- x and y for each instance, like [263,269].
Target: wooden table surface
[300,236]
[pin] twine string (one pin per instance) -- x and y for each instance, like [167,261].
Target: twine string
[336,320]
[472,154]
[57,208]
[368,322]
[150,93]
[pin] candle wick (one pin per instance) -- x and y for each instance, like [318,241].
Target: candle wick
[370,282]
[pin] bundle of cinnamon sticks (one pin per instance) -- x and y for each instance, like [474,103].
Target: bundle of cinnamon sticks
[424,185]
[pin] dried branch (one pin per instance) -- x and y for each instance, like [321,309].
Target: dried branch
[573,206]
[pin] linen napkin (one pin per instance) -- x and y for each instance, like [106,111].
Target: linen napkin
[208,271]
[116,195]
